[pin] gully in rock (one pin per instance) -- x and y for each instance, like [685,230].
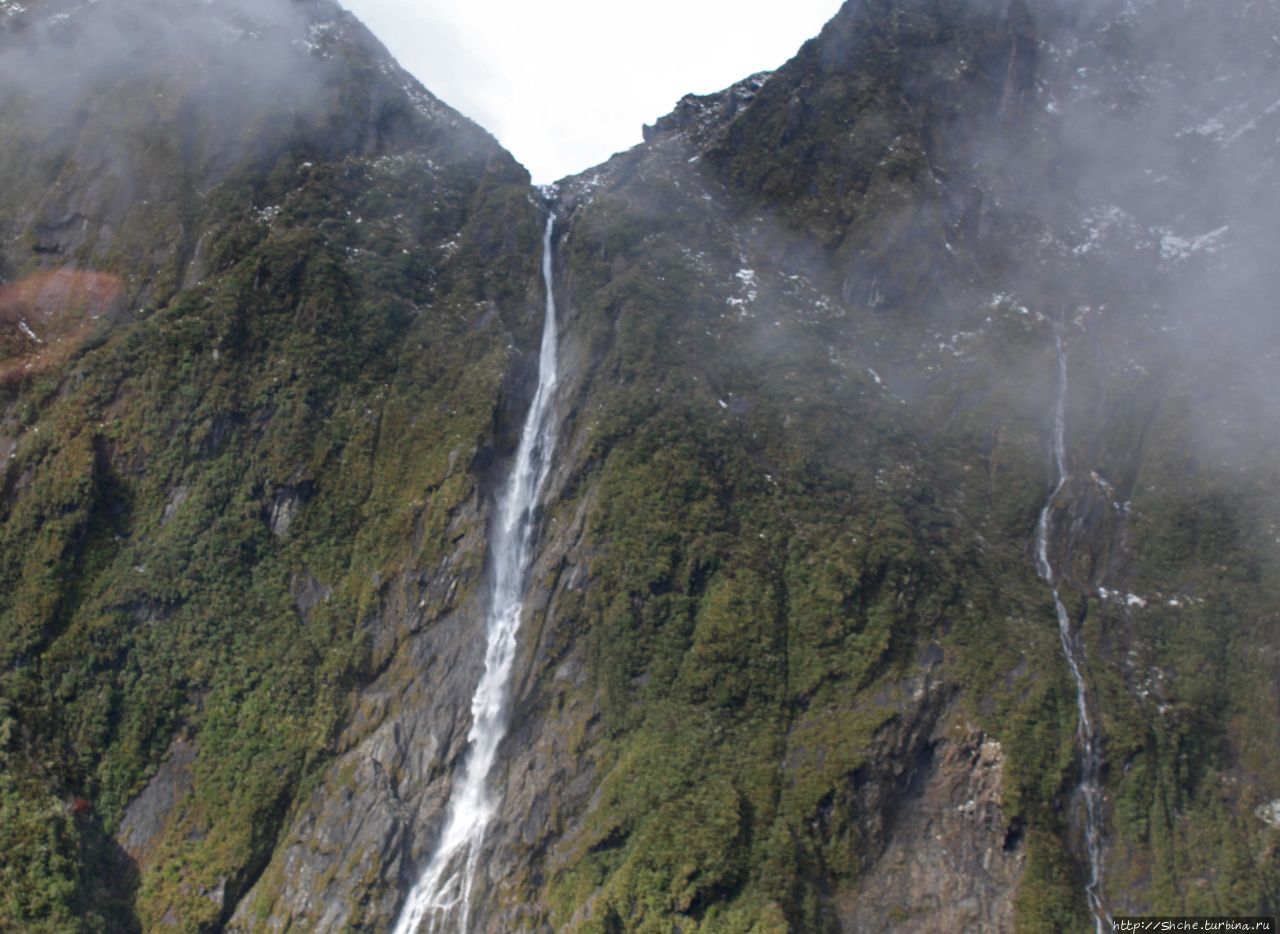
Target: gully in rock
[1089,789]
[440,898]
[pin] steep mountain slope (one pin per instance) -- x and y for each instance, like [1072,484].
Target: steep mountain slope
[789,661]
[254,351]
[835,294]
[793,626]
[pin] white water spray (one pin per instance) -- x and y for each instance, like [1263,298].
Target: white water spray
[442,893]
[1073,648]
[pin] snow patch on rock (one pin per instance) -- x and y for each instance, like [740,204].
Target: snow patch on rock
[1270,813]
[1176,249]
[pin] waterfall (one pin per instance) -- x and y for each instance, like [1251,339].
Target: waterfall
[443,890]
[1073,648]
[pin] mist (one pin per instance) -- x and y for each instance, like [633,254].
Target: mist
[60,51]
[1163,210]
[101,101]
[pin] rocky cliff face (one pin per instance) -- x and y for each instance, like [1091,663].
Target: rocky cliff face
[787,663]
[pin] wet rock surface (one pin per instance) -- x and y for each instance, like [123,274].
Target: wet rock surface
[148,815]
[952,859]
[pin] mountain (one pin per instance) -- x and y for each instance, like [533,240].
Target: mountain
[908,554]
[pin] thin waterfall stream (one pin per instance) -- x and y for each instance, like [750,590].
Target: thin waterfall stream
[442,893]
[1088,788]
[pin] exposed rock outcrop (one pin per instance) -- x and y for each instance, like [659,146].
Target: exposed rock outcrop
[953,859]
[147,816]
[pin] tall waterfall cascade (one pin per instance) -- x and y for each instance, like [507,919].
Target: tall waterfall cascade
[1088,788]
[440,900]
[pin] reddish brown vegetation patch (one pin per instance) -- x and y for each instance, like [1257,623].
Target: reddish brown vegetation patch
[45,317]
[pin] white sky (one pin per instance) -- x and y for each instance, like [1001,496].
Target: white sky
[564,84]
